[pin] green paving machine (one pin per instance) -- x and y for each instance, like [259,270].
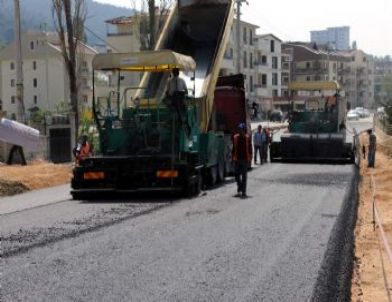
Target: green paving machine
[317,130]
[147,142]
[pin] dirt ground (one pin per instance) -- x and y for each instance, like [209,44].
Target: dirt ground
[36,175]
[372,278]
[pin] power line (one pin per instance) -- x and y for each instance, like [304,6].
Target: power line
[99,38]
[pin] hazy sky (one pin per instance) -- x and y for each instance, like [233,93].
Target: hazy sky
[370,21]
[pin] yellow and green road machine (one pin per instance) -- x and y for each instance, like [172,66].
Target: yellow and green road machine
[317,126]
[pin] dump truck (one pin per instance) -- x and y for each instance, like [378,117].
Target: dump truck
[146,143]
[317,131]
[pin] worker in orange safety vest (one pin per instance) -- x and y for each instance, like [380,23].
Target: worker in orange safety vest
[242,157]
[82,150]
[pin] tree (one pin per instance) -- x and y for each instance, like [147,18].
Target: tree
[69,17]
[150,22]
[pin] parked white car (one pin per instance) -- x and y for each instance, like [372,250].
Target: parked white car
[366,113]
[360,111]
[352,115]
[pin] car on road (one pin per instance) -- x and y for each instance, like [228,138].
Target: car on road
[362,112]
[352,115]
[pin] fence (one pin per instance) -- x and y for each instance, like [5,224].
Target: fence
[387,247]
[383,131]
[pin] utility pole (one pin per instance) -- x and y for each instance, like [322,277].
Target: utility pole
[238,35]
[19,65]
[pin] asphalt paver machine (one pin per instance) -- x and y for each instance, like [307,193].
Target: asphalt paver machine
[317,129]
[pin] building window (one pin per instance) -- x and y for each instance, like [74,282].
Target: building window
[244,35]
[245,60]
[264,79]
[251,37]
[1,105]
[12,65]
[31,45]
[13,99]
[12,82]
[35,82]
[251,60]
[275,62]
[264,60]
[308,65]
[85,99]
[272,46]
[308,79]
[275,79]
[34,65]
[251,83]
[35,99]
[274,92]
[285,80]
[13,116]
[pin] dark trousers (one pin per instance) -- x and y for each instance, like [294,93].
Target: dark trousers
[259,151]
[265,152]
[241,170]
[371,157]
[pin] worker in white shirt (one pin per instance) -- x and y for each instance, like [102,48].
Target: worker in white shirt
[176,85]
[176,91]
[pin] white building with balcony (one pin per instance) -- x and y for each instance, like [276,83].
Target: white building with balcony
[45,78]
[261,60]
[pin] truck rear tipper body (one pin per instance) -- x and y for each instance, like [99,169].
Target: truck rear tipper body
[147,145]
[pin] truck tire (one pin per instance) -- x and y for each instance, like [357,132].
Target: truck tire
[211,176]
[194,185]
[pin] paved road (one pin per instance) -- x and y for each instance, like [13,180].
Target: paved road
[269,247]
[273,246]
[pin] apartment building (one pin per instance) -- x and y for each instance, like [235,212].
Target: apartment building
[353,70]
[248,42]
[123,35]
[45,79]
[359,78]
[337,38]
[382,71]
[262,63]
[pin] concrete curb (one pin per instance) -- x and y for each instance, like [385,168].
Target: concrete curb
[334,278]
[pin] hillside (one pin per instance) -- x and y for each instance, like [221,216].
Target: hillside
[36,12]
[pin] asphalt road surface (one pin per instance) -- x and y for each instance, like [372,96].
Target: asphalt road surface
[274,246]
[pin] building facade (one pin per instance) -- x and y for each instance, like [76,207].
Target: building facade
[382,72]
[45,79]
[359,78]
[353,70]
[337,38]
[262,63]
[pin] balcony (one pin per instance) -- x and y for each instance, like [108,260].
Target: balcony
[126,33]
[310,71]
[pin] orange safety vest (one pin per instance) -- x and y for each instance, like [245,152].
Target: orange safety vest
[248,147]
[84,152]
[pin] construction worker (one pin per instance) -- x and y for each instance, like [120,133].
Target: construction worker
[82,150]
[257,145]
[176,92]
[372,149]
[176,87]
[242,157]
